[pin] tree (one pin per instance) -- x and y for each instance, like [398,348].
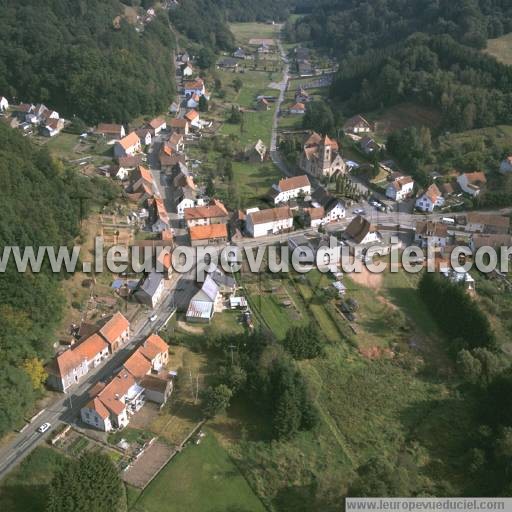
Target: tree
[203,104]
[90,483]
[205,58]
[236,115]
[216,400]
[319,117]
[35,370]
[304,342]
[237,84]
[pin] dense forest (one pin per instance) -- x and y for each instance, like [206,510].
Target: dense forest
[39,208]
[396,50]
[70,56]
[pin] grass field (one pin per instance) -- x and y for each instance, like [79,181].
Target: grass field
[243,32]
[501,48]
[25,488]
[202,478]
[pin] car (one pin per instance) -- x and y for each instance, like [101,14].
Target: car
[44,427]
[359,211]
[152,318]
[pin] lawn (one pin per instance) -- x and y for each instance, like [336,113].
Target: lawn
[501,48]
[202,478]
[25,488]
[243,32]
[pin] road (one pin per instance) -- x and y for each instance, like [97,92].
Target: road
[66,408]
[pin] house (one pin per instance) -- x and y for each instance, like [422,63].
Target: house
[169,161]
[430,199]
[215,213]
[157,125]
[477,222]
[257,152]
[186,199]
[262,104]
[194,87]
[228,63]
[400,189]
[187,70]
[115,331]
[263,48]
[290,188]
[298,108]
[357,124]
[239,53]
[174,108]
[226,284]
[127,164]
[156,351]
[66,369]
[144,135]
[269,222]
[180,126]
[315,217]
[93,349]
[127,146]
[330,254]
[472,182]
[361,232]
[334,209]
[4,104]
[52,127]
[210,234]
[23,110]
[162,221]
[205,302]
[505,166]
[157,388]
[193,101]
[110,131]
[141,182]
[301,95]
[192,117]
[151,290]
[369,145]
[429,233]
[177,142]
[321,157]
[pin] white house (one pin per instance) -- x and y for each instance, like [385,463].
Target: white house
[193,118]
[400,188]
[472,182]
[187,70]
[144,135]
[4,104]
[157,125]
[430,199]
[193,101]
[357,124]
[361,232]
[205,302]
[269,221]
[127,146]
[290,188]
[298,108]
[334,209]
[433,234]
[194,87]
[315,217]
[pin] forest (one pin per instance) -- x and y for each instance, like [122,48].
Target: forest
[71,57]
[40,207]
[427,52]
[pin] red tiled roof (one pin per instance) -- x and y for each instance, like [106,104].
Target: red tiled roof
[293,183]
[137,365]
[209,232]
[91,346]
[130,140]
[114,327]
[270,215]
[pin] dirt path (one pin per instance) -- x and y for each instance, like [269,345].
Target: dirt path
[194,329]
[366,278]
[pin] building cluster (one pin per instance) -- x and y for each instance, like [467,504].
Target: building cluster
[31,119]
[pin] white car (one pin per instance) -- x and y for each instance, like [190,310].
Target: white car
[43,428]
[359,211]
[152,318]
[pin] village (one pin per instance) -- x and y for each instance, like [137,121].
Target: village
[117,364]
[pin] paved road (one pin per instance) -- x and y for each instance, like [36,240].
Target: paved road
[283,85]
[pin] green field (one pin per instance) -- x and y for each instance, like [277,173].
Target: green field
[501,48]
[203,478]
[24,489]
[243,32]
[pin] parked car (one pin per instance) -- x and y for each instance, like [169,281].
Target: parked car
[44,427]
[152,318]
